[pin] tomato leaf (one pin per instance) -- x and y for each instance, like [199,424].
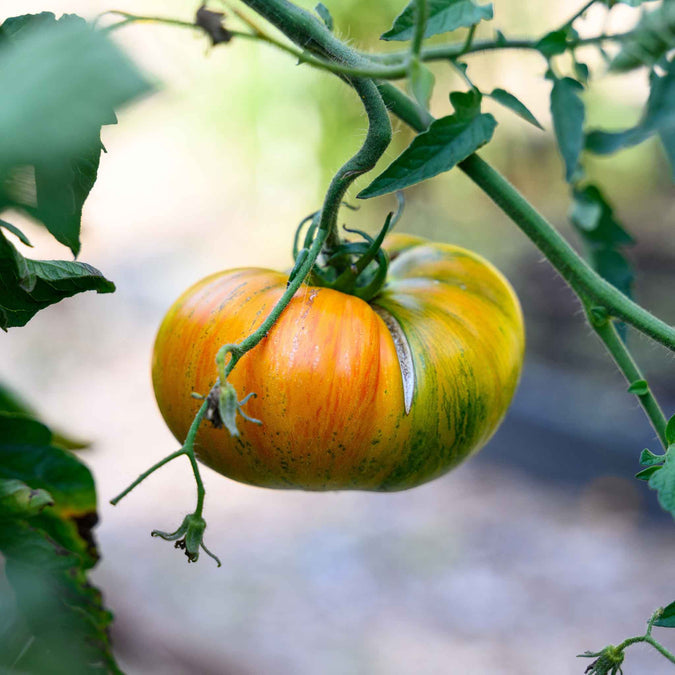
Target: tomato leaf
[16,232]
[667,138]
[670,431]
[421,83]
[47,511]
[648,458]
[568,114]
[444,16]
[663,481]
[593,217]
[553,43]
[448,141]
[639,388]
[514,105]
[646,474]
[613,266]
[325,15]
[61,81]
[649,41]
[658,117]
[27,286]
[667,617]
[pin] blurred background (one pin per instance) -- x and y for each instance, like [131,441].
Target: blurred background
[539,548]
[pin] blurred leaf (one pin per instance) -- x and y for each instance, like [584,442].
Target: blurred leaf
[16,232]
[47,510]
[514,105]
[553,44]
[582,72]
[667,138]
[17,499]
[651,39]
[324,13]
[648,458]
[670,431]
[659,117]
[667,618]
[647,473]
[444,16]
[61,81]
[663,481]
[593,217]
[421,83]
[466,103]
[27,286]
[568,114]
[446,142]
[639,388]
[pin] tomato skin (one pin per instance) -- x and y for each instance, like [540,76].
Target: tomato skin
[330,392]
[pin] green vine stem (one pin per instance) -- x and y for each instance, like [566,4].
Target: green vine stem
[611,657]
[303,28]
[421,15]
[607,332]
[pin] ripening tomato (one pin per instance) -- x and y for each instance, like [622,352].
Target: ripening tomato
[382,396]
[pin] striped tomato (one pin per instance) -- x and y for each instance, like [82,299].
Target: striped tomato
[382,396]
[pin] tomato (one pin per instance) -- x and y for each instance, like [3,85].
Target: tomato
[381,396]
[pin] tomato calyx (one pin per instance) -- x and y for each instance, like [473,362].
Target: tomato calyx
[354,267]
[224,406]
[189,537]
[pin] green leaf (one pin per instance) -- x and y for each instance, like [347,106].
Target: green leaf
[639,388]
[514,105]
[47,511]
[593,217]
[658,117]
[421,83]
[61,81]
[670,431]
[27,286]
[667,618]
[648,458]
[647,473]
[323,12]
[19,500]
[650,40]
[447,142]
[16,232]
[582,72]
[444,16]
[667,138]
[466,103]
[553,44]
[568,114]
[663,481]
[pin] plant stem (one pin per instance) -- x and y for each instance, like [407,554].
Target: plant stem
[145,474]
[189,449]
[607,332]
[376,142]
[421,15]
[577,14]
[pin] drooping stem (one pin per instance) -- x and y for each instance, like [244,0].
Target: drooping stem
[606,331]
[376,142]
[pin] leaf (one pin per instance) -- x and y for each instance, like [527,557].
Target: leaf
[47,511]
[667,617]
[421,83]
[670,431]
[466,103]
[648,458]
[27,286]
[448,141]
[647,473]
[568,114]
[593,217]
[639,388]
[649,41]
[658,117]
[514,105]
[323,12]
[444,16]
[582,72]
[61,81]
[16,232]
[667,138]
[553,43]
[663,481]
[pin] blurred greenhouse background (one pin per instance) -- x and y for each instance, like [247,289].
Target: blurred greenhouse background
[541,547]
